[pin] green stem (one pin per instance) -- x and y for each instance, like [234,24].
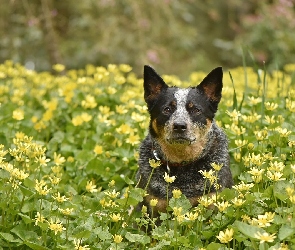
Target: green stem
[149,180]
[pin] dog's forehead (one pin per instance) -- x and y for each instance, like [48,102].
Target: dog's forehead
[181,96]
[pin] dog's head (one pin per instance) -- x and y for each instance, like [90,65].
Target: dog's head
[181,117]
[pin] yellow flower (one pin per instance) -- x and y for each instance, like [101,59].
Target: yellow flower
[226,236]
[78,245]
[153,202]
[59,198]
[133,139]
[115,217]
[289,191]
[250,146]
[234,115]
[265,237]
[238,202]
[124,129]
[276,166]
[254,100]
[41,187]
[18,114]
[89,102]
[251,118]
[216,166]
[270,119]
[120,79]
[144,209]
[137,117]
[176,193]
[58,159]
[117,238]
[222,205]
[120,109]
[263,220]
[191,216]
[276,176]
[270,106]
[243,186]
[205,201]
[42,160]
[169,179]
[56,226]
[154,164]
[18,174]
[66,211]
[77,120]
[58,67]
[98,150]
[256,174]
[292,199]
[283,132]
[39,218]
[125,68]
[91,187]
[177,211]
[104,110]
[241,143]
[209,175]
[112,194]
[54,180]
[86,117]
[111,90]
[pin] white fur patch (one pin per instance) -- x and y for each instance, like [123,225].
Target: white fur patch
[181,99]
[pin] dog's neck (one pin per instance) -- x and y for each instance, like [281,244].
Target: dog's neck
[181,155]
[159,155]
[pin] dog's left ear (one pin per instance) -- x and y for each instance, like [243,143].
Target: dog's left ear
[211,85]
[153,84]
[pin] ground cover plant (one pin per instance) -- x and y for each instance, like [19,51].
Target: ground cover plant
[68,155]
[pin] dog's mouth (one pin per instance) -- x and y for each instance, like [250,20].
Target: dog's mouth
[181,140]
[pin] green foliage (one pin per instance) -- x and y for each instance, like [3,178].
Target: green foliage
[195,34]
[69,151]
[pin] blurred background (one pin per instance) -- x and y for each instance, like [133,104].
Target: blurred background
[176,37]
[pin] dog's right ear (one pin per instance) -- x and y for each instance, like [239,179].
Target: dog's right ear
[153,84]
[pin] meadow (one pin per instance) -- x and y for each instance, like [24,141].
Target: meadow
[68,157]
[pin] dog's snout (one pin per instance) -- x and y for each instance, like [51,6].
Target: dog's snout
[179,127]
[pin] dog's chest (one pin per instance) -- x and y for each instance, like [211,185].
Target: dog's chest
[188,179]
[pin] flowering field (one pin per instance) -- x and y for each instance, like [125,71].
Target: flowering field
[69,150]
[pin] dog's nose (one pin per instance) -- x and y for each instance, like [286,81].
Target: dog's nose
[179,127]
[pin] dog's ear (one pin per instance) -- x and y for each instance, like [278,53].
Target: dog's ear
[153,84]
[211,85]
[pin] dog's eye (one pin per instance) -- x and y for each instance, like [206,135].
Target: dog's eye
[196,111]
[167,110]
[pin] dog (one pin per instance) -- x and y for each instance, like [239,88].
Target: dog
[183,139]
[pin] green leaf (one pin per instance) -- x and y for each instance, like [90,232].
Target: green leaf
[9,237]
[102,233]
[26,192]
[248,230]
[279,190]
[127,180]
[182,201]
[161,244]
[143,239]
[35,246]
[136,194]
[84,156]
[285,232]
[83,234]
[215,246]
[26,219]
[22,232]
